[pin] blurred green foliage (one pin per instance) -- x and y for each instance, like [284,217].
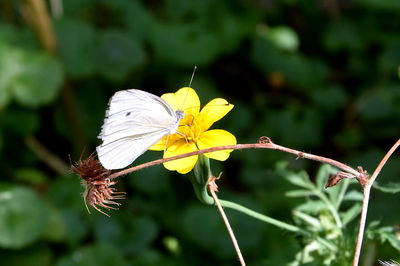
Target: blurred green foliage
[318,76]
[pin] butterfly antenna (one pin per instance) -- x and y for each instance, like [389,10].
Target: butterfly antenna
[191,79]
[190,85]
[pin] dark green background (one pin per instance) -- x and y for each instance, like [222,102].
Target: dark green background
[317,76]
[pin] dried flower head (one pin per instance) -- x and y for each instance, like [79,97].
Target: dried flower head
[95,179]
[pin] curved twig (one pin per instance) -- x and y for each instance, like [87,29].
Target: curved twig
[367,185]
[264,143]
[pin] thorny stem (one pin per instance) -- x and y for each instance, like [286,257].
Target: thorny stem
[213,188]
[261,145]
[366,192]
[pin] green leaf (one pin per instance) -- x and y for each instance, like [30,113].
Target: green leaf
[75,225]
[1,140]
[38,254]
[10,65]
[337,193]
[99,255]
[348,138]
[283,37]
[323,174]
[390,187]
[17,36]
[299,71]
[172,245]
[39,80]
[31,78]
[56,231]
[300,179]
[387,5]
[143,231]
[343,35]
[308,219]
[380,105]
[353,195]
[8,33]
[299,193]
[151,257]
[390,58]
[23,216]
[30,175]
[312,206]
[118,54]
[77,47]
[184,44]
[12,122]
[66,193]
[295,127]
[150,180]
[330,97]
[233,28]
[204,227]
[217,18]
[384,234]
[132,235]
[137,18]
[351,213]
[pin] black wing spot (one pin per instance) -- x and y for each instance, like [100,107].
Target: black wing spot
[128,113]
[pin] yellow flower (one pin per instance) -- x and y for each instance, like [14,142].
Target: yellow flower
[193,130]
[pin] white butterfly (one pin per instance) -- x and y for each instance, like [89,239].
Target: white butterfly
[135,120]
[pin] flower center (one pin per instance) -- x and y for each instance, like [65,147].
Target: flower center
[191,129]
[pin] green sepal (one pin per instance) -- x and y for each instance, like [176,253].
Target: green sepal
[199,179]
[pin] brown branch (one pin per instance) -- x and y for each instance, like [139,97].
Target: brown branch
[265,143]
[367,185]
[55,163]
[383,162]
[37,15]
[213,188]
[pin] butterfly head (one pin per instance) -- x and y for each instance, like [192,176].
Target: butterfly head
[180,114]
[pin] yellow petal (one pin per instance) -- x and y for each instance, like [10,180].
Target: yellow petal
[184,165]
[185,99]
[162,143]
[215,138]
[170,98]
[188,101]
[159,146]
[213,111]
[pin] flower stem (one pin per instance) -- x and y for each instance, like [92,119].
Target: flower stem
[262,217]
[267,219]
[199,178]
[228,227]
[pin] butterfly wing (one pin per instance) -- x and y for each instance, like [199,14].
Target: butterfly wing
[135,120]
[122,152]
